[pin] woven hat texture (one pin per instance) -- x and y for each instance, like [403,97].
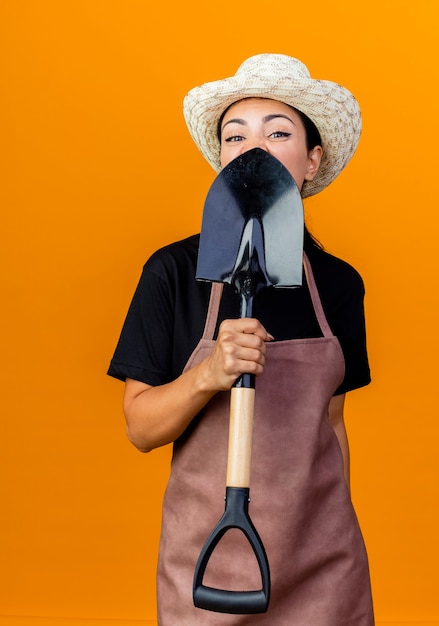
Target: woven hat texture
[331,107]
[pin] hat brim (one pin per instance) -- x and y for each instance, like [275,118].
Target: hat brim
[332,108]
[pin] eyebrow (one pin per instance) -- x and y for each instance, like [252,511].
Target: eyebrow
[267,118]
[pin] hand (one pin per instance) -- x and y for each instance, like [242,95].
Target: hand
[239,349]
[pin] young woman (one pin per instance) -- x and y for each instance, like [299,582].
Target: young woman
[183,346]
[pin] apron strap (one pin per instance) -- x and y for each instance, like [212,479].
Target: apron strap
[212,312]
[217,290]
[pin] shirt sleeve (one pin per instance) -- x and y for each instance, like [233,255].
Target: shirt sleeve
[144,349]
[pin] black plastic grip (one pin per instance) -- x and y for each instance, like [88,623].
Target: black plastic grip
[235,602]
[225,601]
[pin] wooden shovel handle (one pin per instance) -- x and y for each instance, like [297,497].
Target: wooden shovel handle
[242,401]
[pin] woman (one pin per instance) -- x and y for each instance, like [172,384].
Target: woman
[182,348]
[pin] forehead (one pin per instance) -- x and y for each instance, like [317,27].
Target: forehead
[262,106]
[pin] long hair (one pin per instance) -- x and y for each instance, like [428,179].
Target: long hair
[309,241]
[313,139]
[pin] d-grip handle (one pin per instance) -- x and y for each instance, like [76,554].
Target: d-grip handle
[221,600]
[235,516]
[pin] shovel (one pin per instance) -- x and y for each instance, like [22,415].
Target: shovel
[251,238]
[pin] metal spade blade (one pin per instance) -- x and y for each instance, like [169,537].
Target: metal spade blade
[252,220]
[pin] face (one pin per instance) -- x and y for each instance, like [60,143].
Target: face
[274,127]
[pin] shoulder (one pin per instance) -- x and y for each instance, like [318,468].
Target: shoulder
[334,275]
[174,259]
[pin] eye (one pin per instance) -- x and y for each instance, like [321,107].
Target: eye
[279,134]
[233,138]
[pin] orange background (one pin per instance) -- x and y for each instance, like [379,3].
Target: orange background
[98,170]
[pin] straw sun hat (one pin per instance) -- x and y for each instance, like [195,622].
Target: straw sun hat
[332,108]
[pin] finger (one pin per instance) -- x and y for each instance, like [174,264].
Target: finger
[239,345]
[247,325]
